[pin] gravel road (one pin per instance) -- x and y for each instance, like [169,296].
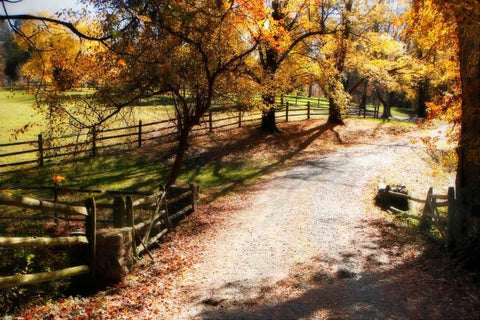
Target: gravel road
[301,249]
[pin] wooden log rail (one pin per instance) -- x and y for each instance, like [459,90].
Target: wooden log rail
[446,225]
[134,136]
[47,206]
[89,211]
[160,222]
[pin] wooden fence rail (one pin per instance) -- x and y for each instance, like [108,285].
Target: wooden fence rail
[445,224]
[146,233]
[164,207]
[90,143]
[88,210]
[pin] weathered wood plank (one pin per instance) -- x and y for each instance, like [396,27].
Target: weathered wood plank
[405,196]
[25,202]
[442,204]
[147,200]
[29,279]
[141,248]
[139,226]
[119,212]
[179,197]
[181,212]
[131,220]
[18,242]
[91,233]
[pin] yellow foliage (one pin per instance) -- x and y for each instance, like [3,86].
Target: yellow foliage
[58,178]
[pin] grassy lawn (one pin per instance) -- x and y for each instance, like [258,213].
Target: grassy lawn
[15,112]
[298,100]
[216,162]
[403,112]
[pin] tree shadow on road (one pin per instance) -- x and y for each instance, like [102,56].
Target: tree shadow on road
[238,153]
[426,286]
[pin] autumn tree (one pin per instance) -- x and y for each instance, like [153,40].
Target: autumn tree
[289,28]
[463,18]
[186,48]
[431,39]
[13,57]
[53,53]
[467,16]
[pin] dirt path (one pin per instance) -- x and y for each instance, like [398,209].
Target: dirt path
[306,242]
[304,247]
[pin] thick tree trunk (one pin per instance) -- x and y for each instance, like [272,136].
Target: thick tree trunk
[387,112]
[334,113]
[269,123]
[182,147]
[468,174]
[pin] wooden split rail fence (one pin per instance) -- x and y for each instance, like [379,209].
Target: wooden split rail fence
[165,207]
[98,141]
[164,210]
[88,211]
[447,224]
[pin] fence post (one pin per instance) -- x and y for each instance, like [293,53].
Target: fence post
[118,212]
[140,133]
[55,198]
[94,141]
[451,219]
[286,111]
[192,197]
[281,100]
[131,223]
[55,192]
[91,233]
[240,119]
[425,222]
[40,150]
[365,112]
[308,109]
[210,125]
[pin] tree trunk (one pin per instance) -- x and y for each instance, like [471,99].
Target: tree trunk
[422,96]
[363,102]
[468,173]
[334,113]
[269,123]
[182,147]
[387,113]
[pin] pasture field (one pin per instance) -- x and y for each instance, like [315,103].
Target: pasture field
[17,111]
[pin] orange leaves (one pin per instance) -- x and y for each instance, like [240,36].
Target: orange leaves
[58,178]
[122,62]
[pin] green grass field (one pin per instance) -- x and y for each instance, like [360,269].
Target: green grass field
[111,172]
[16,111]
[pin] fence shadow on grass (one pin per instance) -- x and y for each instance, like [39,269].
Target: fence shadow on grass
[228,160]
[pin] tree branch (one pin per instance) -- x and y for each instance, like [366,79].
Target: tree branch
[68,25]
